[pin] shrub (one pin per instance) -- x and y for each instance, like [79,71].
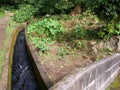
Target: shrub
[25,13]
[53,6]
[43,32]
[108,11]
[64,5]
[105,9]
[79,33]
[46,28]
[109,30]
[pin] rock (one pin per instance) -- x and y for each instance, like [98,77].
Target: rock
[118,43]
[93,47]
[111,43]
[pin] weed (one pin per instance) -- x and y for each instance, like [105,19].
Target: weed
[79,32]
[63,51]
[44,32]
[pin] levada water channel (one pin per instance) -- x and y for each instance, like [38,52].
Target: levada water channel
[23,76]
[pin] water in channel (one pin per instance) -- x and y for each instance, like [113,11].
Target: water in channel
[23,77]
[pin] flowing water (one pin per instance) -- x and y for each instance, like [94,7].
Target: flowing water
[23,77]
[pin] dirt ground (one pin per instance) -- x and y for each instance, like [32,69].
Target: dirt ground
[3,24]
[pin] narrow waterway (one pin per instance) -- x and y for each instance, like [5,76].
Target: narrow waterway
[23,77]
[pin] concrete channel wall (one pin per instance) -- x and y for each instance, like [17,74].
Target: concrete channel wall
[97,76]
[5,81]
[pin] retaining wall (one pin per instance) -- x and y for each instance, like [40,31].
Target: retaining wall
[97,76]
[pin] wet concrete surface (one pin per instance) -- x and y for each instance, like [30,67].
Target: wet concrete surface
[23,77]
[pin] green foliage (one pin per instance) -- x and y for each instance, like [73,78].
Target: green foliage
[24,13]
[109,30]
[41,44]
[52,6]
[64,5]
[79,32]
[43,32]
[63,51]
[47,28]
[106,10]
[115,84]
[2,13]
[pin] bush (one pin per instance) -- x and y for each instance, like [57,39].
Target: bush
[106,10]
[53,6]
[25,13]
[79,33]
[43,32]
[46,28]
[109,30]
[64,6]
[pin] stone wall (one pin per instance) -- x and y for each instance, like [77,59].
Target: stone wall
[97,76]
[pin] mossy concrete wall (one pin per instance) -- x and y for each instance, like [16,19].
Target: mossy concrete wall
[97,76]
[41,74]
[5,81]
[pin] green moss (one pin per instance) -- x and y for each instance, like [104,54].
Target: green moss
[115,84]
[2,14]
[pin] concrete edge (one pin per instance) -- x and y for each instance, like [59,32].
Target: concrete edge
[5,82]
[41,74]
[68,80]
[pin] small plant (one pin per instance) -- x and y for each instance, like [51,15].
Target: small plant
[46,28]
[79,32]
[77,44]
[63,51]
[41,45]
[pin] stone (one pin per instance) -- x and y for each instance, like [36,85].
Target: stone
[111,43]
[118,43]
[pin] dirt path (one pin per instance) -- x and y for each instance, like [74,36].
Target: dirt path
[3,24]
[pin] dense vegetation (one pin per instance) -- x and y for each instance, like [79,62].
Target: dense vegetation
[108,11]
[67,33]
[43,32]
[49,27]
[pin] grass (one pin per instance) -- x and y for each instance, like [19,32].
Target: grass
[115,85]
[2,14]
[9,30]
